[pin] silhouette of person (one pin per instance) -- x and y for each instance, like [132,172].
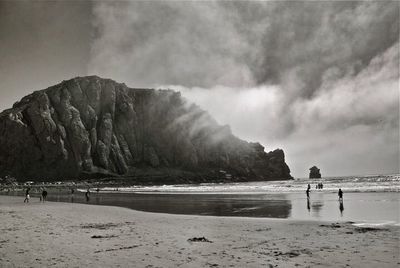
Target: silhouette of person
[26,200]
[44,195]
[340,194]
[308,193]
[308,204]
[72,195]
[40,197]
[87,194]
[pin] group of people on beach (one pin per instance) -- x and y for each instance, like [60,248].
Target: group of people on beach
[321,186]
[43,196]
[340,194]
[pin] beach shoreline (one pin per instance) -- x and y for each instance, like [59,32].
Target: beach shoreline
[75,235]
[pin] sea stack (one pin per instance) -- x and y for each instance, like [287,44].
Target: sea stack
[95,127]
[315,173]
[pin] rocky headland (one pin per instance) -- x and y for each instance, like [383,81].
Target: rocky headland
[94,127]
[315,173]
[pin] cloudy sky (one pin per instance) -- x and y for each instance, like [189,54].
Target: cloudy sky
[319,79]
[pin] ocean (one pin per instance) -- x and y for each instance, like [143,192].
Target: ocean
[371,183]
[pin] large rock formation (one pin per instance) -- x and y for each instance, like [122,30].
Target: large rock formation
[314,173]
[89,126]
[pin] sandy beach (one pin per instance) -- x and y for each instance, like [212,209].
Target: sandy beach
[77,235]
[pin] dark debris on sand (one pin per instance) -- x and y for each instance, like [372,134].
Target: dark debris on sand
[369,229]
[102,236]
[103,226]
[199,239]
[114,249]
[333,225]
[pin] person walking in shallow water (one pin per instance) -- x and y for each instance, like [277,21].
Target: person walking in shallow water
[26,200]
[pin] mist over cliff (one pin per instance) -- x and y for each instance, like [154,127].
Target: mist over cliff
[89,126]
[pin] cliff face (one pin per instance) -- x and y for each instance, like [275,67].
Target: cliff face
[89,126]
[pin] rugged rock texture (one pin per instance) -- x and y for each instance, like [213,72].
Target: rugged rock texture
[89,126]
[314,173]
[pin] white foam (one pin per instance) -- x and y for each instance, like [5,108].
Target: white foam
[377,224]
[389,183]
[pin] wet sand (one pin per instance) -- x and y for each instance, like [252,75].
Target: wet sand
[379,207]
[77,235]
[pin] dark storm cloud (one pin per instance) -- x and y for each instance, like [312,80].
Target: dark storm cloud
[242,43]
[307,39]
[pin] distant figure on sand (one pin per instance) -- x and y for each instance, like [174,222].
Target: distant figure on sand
[26,200]
[87,194]
[72,195]
[44,195]
[340,194]
[308,193]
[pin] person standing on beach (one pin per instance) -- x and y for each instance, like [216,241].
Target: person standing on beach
[87,195]
[340,194]
[72,195]
[44,195]
[308,193]
[26,200]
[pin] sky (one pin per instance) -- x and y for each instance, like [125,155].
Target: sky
[319,79]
